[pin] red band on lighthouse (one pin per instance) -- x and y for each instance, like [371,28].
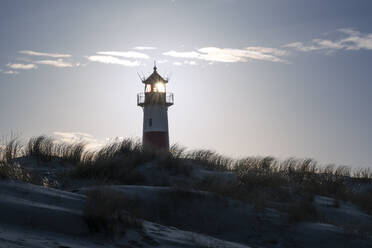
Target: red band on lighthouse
[159,140]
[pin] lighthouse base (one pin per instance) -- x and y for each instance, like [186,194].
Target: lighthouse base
[156,140]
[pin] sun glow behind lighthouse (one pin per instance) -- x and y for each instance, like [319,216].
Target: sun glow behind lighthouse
[159,87]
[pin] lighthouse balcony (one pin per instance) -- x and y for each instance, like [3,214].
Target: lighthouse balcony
[163,98]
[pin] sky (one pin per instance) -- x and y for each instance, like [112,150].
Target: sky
[288,78]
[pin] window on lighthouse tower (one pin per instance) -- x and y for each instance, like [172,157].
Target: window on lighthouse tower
[148,88]
[159,87]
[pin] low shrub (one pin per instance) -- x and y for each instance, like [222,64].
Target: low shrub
[302,210]
[214,184]
[14,172]
[107,211]
[363,200]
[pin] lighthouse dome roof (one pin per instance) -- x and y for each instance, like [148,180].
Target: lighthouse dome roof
[155,78]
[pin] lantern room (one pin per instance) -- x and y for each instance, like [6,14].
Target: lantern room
[155,83]
[155,91]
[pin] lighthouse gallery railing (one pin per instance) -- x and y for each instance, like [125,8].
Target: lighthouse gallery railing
[155,98]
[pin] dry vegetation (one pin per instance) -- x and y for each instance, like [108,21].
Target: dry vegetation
[260,180]
[106,211]
[8,168]
[47,149]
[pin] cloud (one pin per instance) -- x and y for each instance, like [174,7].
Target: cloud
[52,55]
[71,137]
[144,48]
[11,72]
[56,63]
[348,31]
[356,40]
[176,54]
[21,66]
[161,61]
[267,50]
[76,137]
[323,44]
[190,62]
[226,55]
[130,54]
[231,55]
[301,47]
[111,57]
[352,40]
[177,63]
[113,60]
[91,143]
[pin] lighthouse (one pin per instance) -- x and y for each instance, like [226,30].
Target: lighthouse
[155,101]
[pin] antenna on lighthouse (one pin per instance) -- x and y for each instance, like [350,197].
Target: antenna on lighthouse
[155,65]
[142,78]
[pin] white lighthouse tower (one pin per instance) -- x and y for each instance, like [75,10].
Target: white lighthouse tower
[155,102]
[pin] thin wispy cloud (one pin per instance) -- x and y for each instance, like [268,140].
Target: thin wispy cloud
[144,48]
[91,142]
[175,54]
[161,61]
[76,137]
[56,63]
[231,55]
[129,54]
[72,137]
[356,40]
[189,62]
[10,72]
[352,40]
[299,46]
[113,60]
[177,63]
[21,66]
[42,54]
[267,50]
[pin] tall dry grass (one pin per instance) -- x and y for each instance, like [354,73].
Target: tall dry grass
[114,163]
[259,179]
[9,168]
[46,148]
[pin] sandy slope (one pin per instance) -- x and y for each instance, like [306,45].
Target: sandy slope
[235,221]
[48,209]
[35,216]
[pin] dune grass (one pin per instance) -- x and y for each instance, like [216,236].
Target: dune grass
[9,169]
[260,180]
[47,149]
